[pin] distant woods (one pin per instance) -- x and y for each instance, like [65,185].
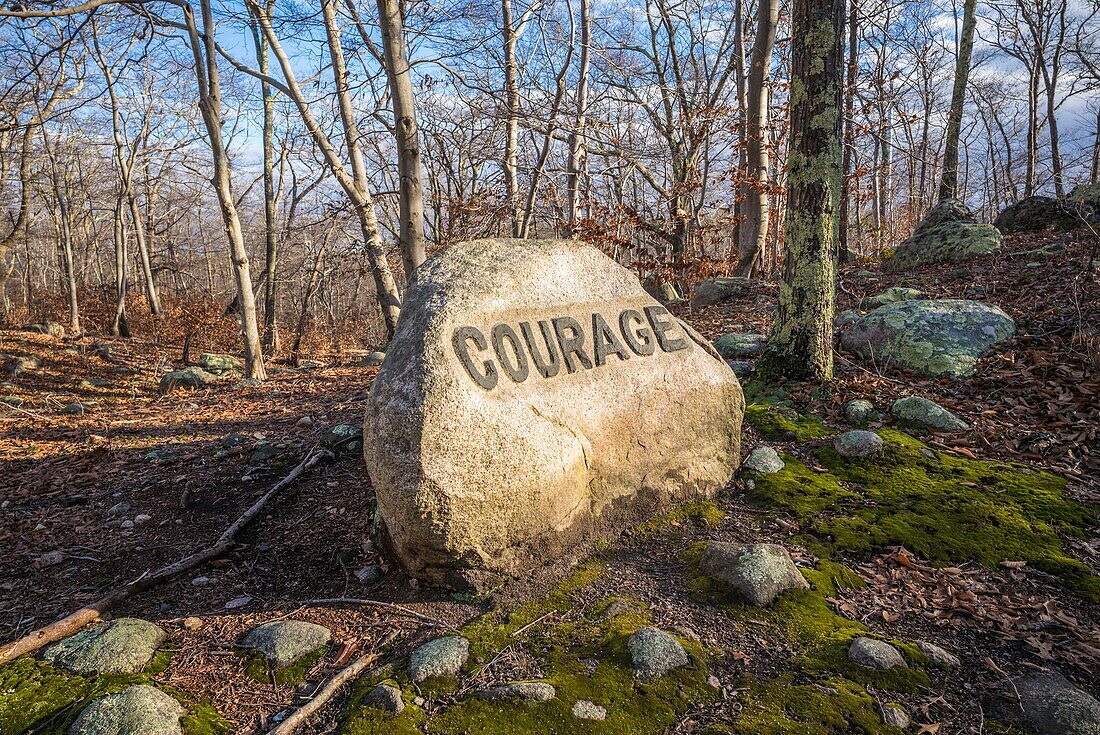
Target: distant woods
[294,163]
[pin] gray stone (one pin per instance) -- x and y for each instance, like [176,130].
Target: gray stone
[740,346]
[218,364]
[483,467]
[137,710]
[713,290]
[344,437]
[925,414]
[859,444]
[53,329]
[532,691]
[122,646]
[654,653]
[889,296]
[1035,213]
[1051,705]
[441,657]
[387,698]
[760,572]
[764,460]
[282,642]
[875,654]
[374,358]
[942,337]
[118,510]
[264,451]
[75,409]
[937,655]
[949,232]
[192,377]
[742,368]
[858,411]
[895,716]
[586,710]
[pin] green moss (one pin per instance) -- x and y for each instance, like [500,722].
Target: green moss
[705,514]
[779,423]
[258,668]
[784,707]
[944,508]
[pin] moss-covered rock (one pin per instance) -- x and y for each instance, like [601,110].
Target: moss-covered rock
[738,346]
[889,296]
[137,710]
[948,232]
[122,646]
[1034,213]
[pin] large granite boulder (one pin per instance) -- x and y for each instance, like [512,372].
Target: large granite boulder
[534,395]
[949,232]
[1034,213]
[928,336]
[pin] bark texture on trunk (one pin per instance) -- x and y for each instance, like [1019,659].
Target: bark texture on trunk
[949,182]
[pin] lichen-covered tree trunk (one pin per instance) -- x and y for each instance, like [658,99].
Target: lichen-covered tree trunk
[950,179]
[801,345]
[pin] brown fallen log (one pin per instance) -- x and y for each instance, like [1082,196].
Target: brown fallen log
[89,614]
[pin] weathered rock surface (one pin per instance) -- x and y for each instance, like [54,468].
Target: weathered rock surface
[137,710]
[713,290]
[1051,705]
[525,403]
[654,653]
[930,337]
[532,691]
[937,655]
[192,377]
[441,657]
[760,572]
[387,698]
[586,710]
[739,346]
[895,716]
[215,363]
[859,411]
[1034,213]
[922,413]
[282,642]
[875,654]
[949,232]
[858,444]
[889,296]
[122,646]
[764,460]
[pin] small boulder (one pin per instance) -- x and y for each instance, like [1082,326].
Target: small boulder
[742,368]
[282,642]
[713,290]
[889,296]
[858,411]
[586,710]
[737,346]
[949,232]
[764,460]
[75,409]
[859,444]
[370,574]
[344,437]
[192,377]
[53,329]
[16,365]
[925,414]
[895,716]
[122,646]
[760,572]
[875,654]
[531,691]
[440,657]
[1051,705]
[374,358]
[938,655]
[137,710]
[1035,213]
[654,653]
[385,697]
[218,364]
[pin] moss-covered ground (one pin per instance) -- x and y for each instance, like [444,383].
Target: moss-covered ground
[36,697]
[259,669]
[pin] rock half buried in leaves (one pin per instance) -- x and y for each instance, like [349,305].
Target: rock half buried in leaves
[760,572]
[949,232]
[282,642]
[925,414]
[122,646]
[533,395]
[137,710]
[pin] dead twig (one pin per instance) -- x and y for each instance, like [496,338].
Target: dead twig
[377,603]
[85,615]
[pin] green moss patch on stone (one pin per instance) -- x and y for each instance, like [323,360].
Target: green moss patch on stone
[778,423]
[944,508]
[258,668]
[705,514]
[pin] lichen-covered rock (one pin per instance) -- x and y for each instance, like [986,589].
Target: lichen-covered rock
[713,290]
[943,337]
[583,709]
[192,377]
[1051,705]
[137,710]
[282,642]
[738,346]
[1034,213]
[385,697]
[890,296]
[532,691]
[859,444]
[859,411]
[764,460]
[344,437]
[374,358]
[654,653]
[875,654]
[949,232]
[122,646]
[937,655]
[217,364]
[535,395]
[440,657]
[919,412]
[760,572]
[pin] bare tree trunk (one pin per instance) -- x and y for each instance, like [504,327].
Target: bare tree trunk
[844,252]
[151,296]
[801,345]
[1094,171]
[511,116]
[754,228]
[577,162]
[307,301]
[949,181]
[120,326]
[271,235]
[411,191]
[1032,130]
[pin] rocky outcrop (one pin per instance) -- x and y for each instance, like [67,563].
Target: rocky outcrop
[949,232]
[1033,214]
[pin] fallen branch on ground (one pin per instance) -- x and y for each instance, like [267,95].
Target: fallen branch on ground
[89,614]
[331,687]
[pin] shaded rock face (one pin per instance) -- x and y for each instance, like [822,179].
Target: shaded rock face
[930,337]
[740,346]
[875,654]
[949,232]
[1051,705]
[654,653]
[1034,213]
[922,413]
[760,572]
[138,710]
[217,364]
[282,642]
[533,394]
[385,697]
[441,657]
[122,646]
[713,290]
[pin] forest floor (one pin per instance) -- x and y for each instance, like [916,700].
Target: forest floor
[188,461]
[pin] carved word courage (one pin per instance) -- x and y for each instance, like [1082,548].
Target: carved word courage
[547,345]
